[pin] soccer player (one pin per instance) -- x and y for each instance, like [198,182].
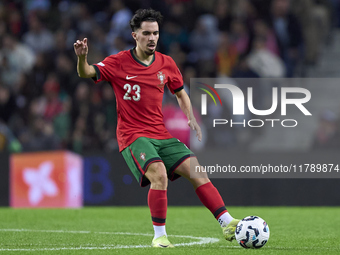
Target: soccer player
[138,77]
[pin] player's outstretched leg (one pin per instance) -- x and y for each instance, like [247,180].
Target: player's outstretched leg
[210,198]
[158,203]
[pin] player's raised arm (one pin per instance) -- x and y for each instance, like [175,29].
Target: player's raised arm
[185,104]
[83,68]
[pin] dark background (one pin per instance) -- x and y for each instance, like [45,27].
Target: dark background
[108,182]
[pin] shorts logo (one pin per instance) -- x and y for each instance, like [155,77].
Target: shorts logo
[142,156]
[161,78]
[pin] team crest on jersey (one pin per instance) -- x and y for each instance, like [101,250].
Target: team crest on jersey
[142,156]
[161,77]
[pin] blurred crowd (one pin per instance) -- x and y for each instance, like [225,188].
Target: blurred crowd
[44,105]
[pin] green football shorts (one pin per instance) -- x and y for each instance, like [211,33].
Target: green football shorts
[144,151]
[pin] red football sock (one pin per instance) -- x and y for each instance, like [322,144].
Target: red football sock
[211,198]
[158,204]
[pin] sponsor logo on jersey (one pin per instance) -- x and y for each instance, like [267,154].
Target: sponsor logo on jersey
[100,64]
[130,77]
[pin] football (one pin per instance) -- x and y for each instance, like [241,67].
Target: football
[252,232]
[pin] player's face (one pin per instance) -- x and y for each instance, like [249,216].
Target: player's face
[147,37]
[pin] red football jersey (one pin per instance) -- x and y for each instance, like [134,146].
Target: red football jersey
[139,93]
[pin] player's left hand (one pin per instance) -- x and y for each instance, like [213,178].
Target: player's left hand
[194,126]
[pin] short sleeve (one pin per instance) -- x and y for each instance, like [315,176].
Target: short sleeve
[175,83]
[106,69]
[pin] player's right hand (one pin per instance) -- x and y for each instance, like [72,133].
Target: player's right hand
[80,47]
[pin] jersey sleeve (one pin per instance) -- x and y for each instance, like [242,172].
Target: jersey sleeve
[106,69]
[175,83]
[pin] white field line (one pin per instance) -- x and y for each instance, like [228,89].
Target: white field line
[198,240]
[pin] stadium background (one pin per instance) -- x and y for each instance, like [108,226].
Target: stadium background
[45,106]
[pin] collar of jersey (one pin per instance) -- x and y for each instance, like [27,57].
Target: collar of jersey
[140,62]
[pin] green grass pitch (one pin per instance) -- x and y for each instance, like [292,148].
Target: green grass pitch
[128,230]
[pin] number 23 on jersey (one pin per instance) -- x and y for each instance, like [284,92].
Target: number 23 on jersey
[129,88]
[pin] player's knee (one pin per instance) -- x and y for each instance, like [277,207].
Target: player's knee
[198,178]
[158,181]
[200,173]
[161,179]
[191,171]
[156,173]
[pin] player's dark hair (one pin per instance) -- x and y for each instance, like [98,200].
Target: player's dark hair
[145,15]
